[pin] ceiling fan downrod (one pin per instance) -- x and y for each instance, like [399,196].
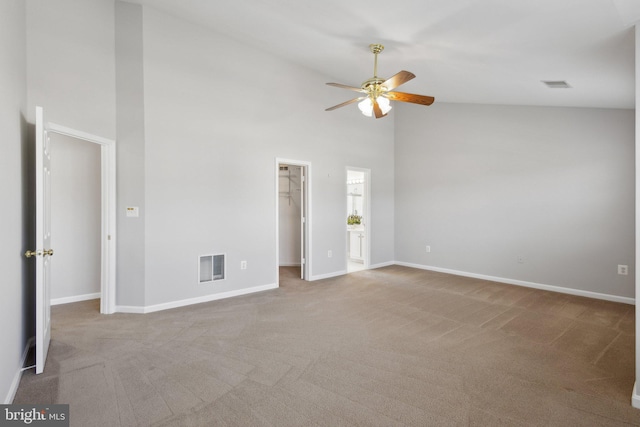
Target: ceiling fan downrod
[375,49]
[373,86]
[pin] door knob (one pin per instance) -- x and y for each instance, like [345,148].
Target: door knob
[29,254]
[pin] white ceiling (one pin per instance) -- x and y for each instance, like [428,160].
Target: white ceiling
[476,51]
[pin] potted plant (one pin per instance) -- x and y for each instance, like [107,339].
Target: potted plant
[354,220]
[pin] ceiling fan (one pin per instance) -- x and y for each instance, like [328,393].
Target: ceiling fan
[378,92]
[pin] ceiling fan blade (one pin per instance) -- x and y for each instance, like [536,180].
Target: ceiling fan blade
[400,78]
[376,110]
[351,101]
[357,89]
[410,97]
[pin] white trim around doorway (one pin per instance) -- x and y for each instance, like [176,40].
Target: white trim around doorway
[307,226]
[108,208]
[367,212]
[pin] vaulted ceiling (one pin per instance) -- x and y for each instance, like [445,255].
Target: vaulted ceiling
[475,51]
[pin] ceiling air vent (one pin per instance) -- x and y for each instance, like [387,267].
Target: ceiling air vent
[556,84]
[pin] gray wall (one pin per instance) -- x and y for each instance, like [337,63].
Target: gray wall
[217,114]
[75,217]
[484,185]
[636,396]
[13,215]
[130,274]
[71,67]
[71,63]
[191,105]
[71,51]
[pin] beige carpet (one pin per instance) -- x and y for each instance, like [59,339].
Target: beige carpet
[385,347]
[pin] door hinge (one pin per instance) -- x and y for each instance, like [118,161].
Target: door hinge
[304,261]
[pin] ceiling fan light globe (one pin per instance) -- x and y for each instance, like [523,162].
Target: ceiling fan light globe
[366,106]
[385,105]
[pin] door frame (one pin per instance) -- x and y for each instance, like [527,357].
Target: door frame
[306,166]
[108,212]
[366,214]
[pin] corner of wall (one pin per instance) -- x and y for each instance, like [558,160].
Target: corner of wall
[635,398]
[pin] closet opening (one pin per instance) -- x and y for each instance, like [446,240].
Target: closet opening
[292,219]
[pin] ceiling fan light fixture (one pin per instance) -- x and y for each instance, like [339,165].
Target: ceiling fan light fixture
[366,106]
[385,105]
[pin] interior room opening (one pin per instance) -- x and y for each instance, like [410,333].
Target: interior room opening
[291,220]
[357,220]
[75,220]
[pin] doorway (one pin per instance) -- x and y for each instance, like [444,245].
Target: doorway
[75,219]
[107,212]
[293,203]
[43,251]
[358,219]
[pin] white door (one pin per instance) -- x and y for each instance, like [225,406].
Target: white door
[43,251]
[302,223]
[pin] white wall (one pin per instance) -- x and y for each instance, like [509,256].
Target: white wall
[75,217]
[130,185]
[289,212]
[71,63]
[184,97]
[71,72]
[217,114]
[16,327]
[484,185]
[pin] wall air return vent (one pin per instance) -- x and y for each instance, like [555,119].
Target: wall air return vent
[556,84]
[211,268]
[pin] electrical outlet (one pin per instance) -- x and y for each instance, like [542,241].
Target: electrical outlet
[623,269]
[329,253]
[243,265]
[428,248]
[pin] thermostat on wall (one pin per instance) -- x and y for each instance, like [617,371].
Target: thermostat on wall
[133,211]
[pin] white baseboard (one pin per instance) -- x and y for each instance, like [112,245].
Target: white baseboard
[382,264]
[222,295]
[328,275]
[134,309]
[526,284]
[18,375]
[635,398]
[343,272]
[75,298]
[191,301]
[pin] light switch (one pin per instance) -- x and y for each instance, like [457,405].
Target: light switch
[133,211]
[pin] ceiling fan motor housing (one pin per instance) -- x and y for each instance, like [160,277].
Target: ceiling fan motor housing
[373,87]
